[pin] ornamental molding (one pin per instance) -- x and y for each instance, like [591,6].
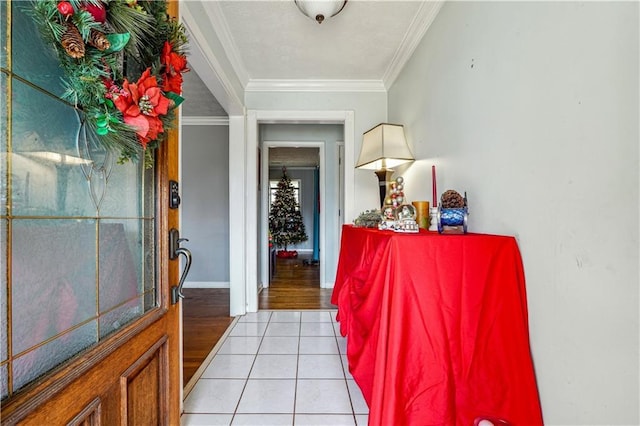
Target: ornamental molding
[221,28]
[417,29]
[276,85]
[204,121]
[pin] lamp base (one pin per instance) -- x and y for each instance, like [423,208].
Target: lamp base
[384,176]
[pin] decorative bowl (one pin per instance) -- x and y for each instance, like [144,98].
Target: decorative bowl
[453,218]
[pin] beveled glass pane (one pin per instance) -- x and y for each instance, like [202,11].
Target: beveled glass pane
[4,319]
[3,34]
[35,363]
[46,164]
[148,198]
[120,262]
[53,276]
[149,272]
[31,58]
[4,184]
[123,264]
[120,316]
[4,381]
[150,300]
[123,195]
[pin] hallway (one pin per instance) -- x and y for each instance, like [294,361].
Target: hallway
[295,284]
[205,311]
[278,368]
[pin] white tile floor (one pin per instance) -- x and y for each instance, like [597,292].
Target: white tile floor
[278,368]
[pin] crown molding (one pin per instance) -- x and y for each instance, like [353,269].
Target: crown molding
[204,121]
[274,85]
[417,29]
[221,28]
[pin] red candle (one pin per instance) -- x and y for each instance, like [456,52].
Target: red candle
[434,196]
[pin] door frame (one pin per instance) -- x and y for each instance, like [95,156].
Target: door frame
[264,206]
[339,195]
[244,267]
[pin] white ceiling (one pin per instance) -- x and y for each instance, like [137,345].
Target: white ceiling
[276,41]
[270,43]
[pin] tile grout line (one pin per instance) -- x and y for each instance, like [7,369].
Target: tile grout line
[295,389]
[344,373]
[214,351]
[272,320]
[255,356]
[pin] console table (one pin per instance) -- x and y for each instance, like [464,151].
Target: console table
[436,327]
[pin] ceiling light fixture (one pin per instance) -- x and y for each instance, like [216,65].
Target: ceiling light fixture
[319,10]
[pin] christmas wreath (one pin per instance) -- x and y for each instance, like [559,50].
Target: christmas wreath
[123,62]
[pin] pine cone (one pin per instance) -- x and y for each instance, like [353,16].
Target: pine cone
[72,42]
[450,199]
[98,40]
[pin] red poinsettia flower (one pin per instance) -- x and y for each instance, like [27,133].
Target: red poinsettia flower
[141,105]
[174,65]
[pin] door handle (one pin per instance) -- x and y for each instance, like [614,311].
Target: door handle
[176,251]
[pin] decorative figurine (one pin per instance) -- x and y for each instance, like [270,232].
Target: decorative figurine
[406,219]
[396,193]
[397,215]
[388,218]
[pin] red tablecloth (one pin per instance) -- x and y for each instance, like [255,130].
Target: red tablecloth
[437,327]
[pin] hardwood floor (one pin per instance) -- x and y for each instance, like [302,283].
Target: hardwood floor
[205,312]
[205,318]
[295,285]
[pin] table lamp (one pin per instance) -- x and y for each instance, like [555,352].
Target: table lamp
[383,147]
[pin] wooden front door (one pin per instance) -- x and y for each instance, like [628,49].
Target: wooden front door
[132,374]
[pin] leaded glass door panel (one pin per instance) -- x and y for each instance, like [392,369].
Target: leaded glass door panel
[84,296]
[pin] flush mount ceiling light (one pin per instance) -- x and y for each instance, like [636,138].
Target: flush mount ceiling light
[319,10]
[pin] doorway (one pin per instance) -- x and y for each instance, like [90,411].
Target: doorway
[245,274]
[204,216]
[304,165]
[293,207]
[294,283]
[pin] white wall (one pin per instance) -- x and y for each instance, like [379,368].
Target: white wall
[205,203]
[532,108]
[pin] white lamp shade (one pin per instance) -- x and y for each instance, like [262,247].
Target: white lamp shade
[384,147]
[325,8]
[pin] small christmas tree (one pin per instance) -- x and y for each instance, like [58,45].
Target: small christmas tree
[285,220]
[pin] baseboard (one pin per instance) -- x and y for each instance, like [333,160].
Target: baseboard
[206,284]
